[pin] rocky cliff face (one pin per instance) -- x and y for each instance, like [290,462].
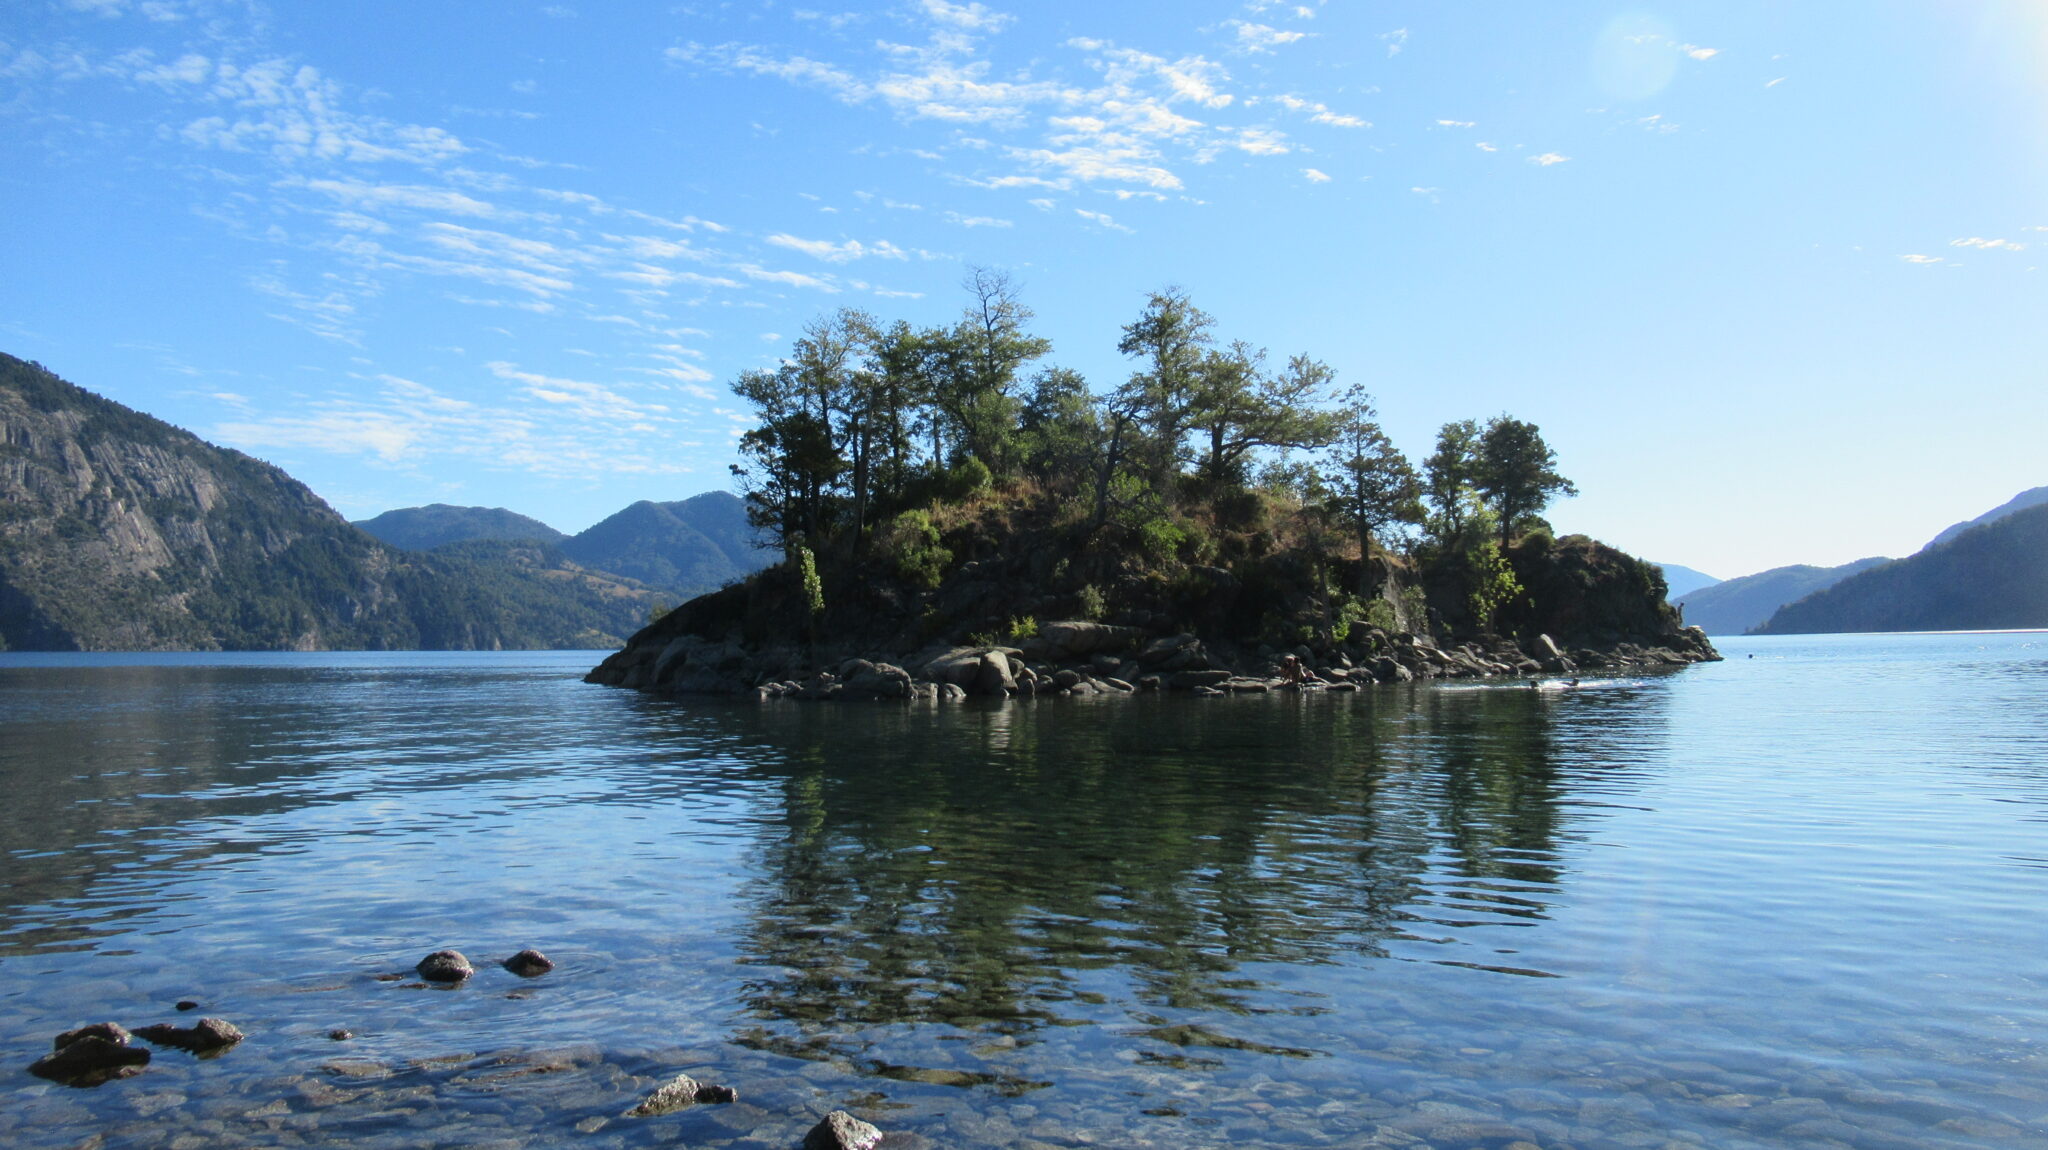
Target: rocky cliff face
[121,532]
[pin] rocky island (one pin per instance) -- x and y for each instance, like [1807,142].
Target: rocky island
[1214,525]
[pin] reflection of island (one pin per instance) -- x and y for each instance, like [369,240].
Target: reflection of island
[992,870]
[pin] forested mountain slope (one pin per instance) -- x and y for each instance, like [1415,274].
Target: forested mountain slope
[1988,578]
[436,524]
[121,532]
[1737,606]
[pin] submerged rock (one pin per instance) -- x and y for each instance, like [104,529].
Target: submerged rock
[680,1092]
[445,966]
[207,1036]
[91,1055]
[842,1131]
[529,963]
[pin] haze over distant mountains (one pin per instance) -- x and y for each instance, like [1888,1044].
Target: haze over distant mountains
[1989,577]
[685,548]
[1972,588]
[1738,606]
[121,532]
[2032,497]
[1681,580]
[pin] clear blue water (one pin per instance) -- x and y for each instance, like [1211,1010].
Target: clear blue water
[1791,899]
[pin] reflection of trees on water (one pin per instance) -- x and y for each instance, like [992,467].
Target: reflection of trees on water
[976,867]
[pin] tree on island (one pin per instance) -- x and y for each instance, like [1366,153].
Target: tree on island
[1372,484]
[876,440]
[1516,473]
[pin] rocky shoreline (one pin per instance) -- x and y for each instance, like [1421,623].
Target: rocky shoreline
[96,1054]
[1079,657]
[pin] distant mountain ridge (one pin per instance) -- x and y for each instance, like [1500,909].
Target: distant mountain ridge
[1738,606]
[2032,497]
[1991,577]
[689,546]
[1680,580]
[121,532]
[685,548]
[425,528]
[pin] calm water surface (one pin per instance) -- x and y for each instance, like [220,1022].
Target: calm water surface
[1794,899]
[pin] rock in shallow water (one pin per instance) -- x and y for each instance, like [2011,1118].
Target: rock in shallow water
[529,963]
[113,1032]
[207,1036]
[445,966]
[91,1057]
[842,1131]
[679,1092]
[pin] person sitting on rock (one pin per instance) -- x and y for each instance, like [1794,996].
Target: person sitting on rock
[1297,674]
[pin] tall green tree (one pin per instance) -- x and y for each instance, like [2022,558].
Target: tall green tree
[1516,473]
[1169,339]
[1059,430]
[1449,476]
[1371,483]
[980,367]
[1238,407]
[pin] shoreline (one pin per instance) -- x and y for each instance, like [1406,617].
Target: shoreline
[1079,657]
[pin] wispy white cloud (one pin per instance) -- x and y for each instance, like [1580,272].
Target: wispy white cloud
[1262,37]
[1457,123]
[1924,259]
[838,252]
[980,221]
[1395,41]
[1547,159]
[1315,176]
[1100,219]
[789,279]
[1319,113]
[1983,244]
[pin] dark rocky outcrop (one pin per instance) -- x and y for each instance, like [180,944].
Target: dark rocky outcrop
[1584,605]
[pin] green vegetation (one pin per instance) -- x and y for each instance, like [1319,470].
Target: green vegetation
[921,454]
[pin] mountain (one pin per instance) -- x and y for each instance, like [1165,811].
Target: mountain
[1988,578]
[688,547]
[121,532]
[1741,605]
[425,528]
[1683,580]
[2025,499]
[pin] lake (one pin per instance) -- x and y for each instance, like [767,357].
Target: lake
[1792,899]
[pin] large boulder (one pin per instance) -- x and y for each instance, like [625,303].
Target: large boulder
[994,678]
[877,681]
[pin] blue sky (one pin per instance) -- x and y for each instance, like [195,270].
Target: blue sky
[1766,274]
